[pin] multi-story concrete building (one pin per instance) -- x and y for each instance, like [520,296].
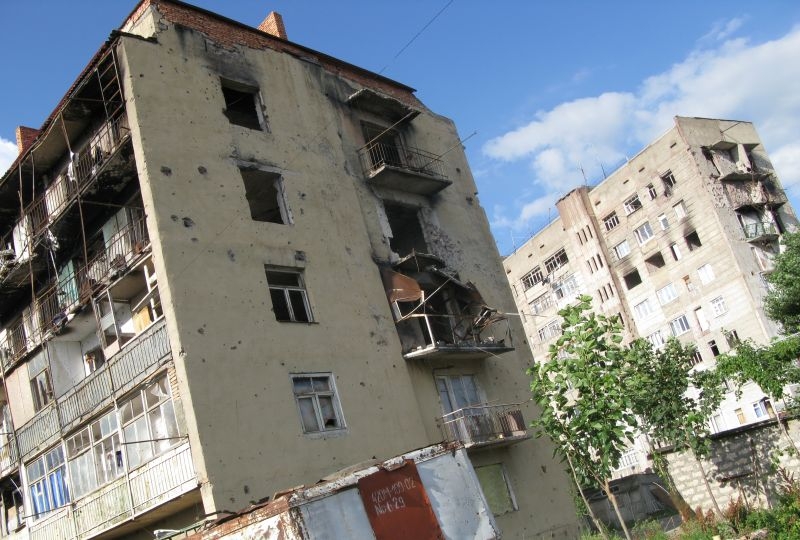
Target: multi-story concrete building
[677,242]
[233,265]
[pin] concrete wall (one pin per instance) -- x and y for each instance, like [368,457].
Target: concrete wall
[740,465]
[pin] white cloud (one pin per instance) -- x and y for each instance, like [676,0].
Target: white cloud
[8,153]
[732,78]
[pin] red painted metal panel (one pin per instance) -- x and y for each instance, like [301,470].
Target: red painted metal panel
[397,505]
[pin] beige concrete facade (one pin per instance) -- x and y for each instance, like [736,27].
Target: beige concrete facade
[253,203]
[677,241]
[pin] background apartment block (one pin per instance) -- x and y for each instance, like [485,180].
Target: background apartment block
[677,242]
[233,265]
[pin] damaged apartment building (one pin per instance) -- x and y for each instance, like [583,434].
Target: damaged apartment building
[231,266]
[677,242]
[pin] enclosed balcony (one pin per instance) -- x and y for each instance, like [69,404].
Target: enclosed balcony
[388,163]
[438,316]
[484,425]
[760,231]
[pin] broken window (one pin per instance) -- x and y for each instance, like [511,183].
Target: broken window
[712,345]
[94,455]
[654,262]
[651,191]
[47,481]
[496,488]
[243,105]
[632,204]
[696,357]
[316,399]
[668,179]
[407,235]
[288,293]
[555,262]
[693,241]
[632,279]
[611,221]
[148,422]
[566,288]
[266,196]
[41,383]
[532,278]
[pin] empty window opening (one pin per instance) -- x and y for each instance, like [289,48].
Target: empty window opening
[632,279]
[712,345]
[407,234]
[732,337]
[668,179]
[318,403]
[693,241]
[676,251]
[288,293]
[242,105]
[266,196]
[654,262]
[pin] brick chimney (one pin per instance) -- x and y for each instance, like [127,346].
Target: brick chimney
[273,24]
[25,137]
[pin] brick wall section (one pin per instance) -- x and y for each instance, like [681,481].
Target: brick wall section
[25,137]
[739,466]
[229,33]
[273,24]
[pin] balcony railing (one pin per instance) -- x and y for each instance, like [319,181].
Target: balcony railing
[403,168]
[484,425]
[9,457]
[84,167]
[52,305]
[139,358]
[165,478]
[755,231]
[458,335]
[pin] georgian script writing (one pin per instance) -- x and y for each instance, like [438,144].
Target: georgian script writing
[390,498]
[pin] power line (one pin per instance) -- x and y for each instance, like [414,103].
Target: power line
[407,45]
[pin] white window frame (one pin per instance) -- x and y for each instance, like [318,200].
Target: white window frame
[657,340]
[718,306]
[680,210]
[679,325]
[611,221]
[566,287]
[556,261]
[663,222]
[42,484]
[622,250]
[314,397]
[550,330]
[287,290]
[643,233]
[541,303]
[666,294]
[706,274]
[632,204]
[532,278]
[95,455]
[644,309]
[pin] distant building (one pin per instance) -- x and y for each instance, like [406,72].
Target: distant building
[232,265]
[677,242]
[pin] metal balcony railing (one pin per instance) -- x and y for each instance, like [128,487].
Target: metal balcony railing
[378,155]
[79,173]
[114,257]
[9,457]
[164,478]
[484,425]
[759,229]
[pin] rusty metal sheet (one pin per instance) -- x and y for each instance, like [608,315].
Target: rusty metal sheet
[397,505]
[400,288]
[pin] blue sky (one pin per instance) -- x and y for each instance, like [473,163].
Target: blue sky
[550,87]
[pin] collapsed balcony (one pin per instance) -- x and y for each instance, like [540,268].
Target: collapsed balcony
[760,231]
[438,316]
[484,425]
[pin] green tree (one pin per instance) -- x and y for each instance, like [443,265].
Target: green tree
[586,408]
[673,404]
[783,302]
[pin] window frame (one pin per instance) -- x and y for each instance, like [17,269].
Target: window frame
[718,306]
[532,278]
[616,250]
[611,221]
[671,298]
[314,396]
[706,274]
[258,104]
[639,233]
[287,290]
[632,204]
[684,326]
[557,260]
[45,483]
